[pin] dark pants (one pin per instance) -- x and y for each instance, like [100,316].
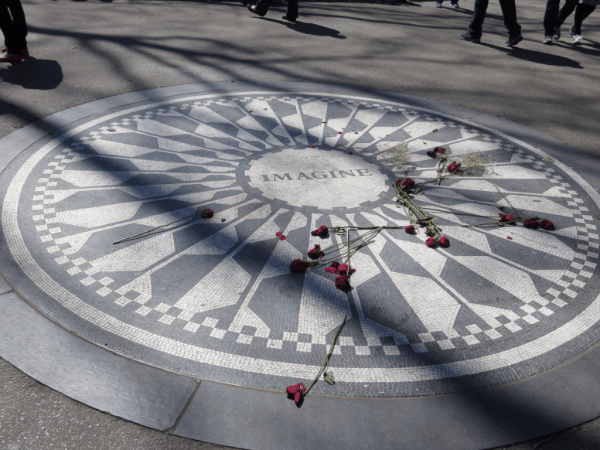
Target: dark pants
[509,11]
[555,18]
[262,6]
[13,25]
[583,10]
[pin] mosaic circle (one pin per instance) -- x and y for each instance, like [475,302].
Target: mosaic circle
[215,298]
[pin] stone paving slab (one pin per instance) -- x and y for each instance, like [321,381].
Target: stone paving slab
[137,135]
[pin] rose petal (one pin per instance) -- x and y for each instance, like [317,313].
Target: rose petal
[349,153]
[222,220]
[282,238]
[339,132]
[508,237]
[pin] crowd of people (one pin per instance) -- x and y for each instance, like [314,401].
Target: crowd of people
[14,26]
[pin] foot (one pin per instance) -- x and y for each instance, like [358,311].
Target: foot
[289,19]
[454,5]
[24,52]
[577,39]
[468,36]
[572,31]
[252,9]
[547,40]
[9,57]
[438,4]
[557,34]
[513,40]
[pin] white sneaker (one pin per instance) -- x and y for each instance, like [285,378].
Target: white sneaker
[577,39]
[454,5]
[547,40]
[557,34]
[438,4]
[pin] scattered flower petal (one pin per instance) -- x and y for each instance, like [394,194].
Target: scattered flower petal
[349,153]
[508,237]
[222,220]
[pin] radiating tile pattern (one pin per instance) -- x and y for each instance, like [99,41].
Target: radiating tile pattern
[215,297]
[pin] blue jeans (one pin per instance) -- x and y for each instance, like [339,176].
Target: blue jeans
[509,11]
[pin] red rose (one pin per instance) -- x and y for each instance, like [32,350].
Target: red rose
[430,242]
[206,213]
[296,391]
[431,153]
[342,282]
[531,223]
[298,266]
[408,184]
[398,182]
[444,241]
[321,231]
[335,264]
[316,252]
[547,225]
[440,149]
[454,167]
[506,217]
[331,269]
[342,268]
[409,229]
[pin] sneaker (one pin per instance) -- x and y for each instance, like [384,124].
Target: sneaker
[577,39]
[454,5]
[468,36]
[557,34]
[24,52]
[8,57]
[547,40]
[571,30]
[513,40]
[438,4]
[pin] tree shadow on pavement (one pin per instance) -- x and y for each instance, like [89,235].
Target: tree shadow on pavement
[309,28]
[27,74]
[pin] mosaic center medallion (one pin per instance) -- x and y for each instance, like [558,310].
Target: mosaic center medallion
[215,298]
[318,178]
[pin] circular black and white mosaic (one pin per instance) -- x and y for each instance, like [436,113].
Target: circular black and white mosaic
[214,298]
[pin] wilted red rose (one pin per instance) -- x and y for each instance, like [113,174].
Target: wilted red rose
[342,282]
[430,242]
[408,184]
[547,225]
[331,269]
[409,228]
[298,266]
[431,153]
[321,231]
[506,217]
[296,392]
[206,213]
[342,268]
[444,241]
[531,223]
[316,252]
[398,182]
[440,149]
[454,167]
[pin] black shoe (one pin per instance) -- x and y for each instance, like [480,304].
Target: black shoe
[513,40]
[252,9]
[289,19]
[469,36]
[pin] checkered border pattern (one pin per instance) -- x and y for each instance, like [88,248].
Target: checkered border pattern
[571,283]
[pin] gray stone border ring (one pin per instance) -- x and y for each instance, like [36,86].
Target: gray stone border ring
[157,231]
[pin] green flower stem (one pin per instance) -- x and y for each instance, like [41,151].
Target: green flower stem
[507,201]
[326,361]
[154,229]
[348,258]
[491,223]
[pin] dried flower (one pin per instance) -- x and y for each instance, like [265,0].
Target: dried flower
[342,282]
[298,266]
[316,252]
[531,223]
[206,213]
[408,184]
[430,242]
[296,391]
[506,217]
[547,225]
[321,231]
[454,167]
[444,241]
[409,228]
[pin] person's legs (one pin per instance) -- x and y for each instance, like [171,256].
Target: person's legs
[19,24]
[550,16]
[262,6]
[292,11]
[509,11]
[476,25]
[581,13]
[565,12]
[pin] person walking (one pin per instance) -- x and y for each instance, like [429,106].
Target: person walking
[553,18]
[14,29]
[582,11]
[509,11]
[453,4]
[262,6]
